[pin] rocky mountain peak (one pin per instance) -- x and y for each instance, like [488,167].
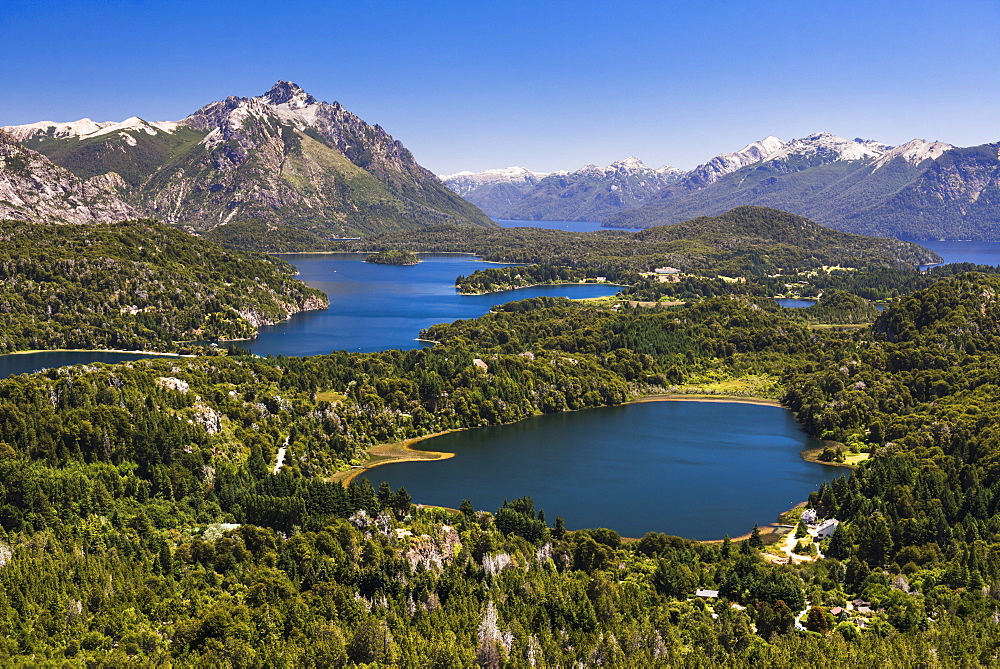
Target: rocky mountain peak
[914,152]
[288,93]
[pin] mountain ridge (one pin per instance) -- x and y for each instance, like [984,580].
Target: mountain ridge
[281,156]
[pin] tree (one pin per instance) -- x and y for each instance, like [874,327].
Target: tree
[755,539]
[559,531]
[817,621]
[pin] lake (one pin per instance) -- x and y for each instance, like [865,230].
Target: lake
[693,469]
[372,308]
[980,253]
[378,307]
[26,363]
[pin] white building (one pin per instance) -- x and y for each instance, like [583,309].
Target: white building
[826,528]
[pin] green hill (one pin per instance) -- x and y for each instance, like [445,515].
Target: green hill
[135,285]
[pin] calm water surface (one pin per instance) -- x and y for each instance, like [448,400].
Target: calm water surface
[794,303]
[378,307]
[26,363]
[694,469]
[372,308]
[980,253]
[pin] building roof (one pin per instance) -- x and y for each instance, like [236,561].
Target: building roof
[706,593]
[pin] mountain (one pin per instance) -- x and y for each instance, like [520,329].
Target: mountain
[281,157]
[723,164]
[494,191]
[32,188]
[591,193]
[918,190]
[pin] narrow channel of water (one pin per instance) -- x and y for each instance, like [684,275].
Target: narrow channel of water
[693,469]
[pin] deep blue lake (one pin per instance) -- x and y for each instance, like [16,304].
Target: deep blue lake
[693,469]
[25,363]
[980,253]
[378,307]
[372,308]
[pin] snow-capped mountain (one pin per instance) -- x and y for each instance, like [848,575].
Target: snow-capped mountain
[918,190]
[588,193]
[464,183]
[281,157]
[828,148]
[721,165]
[914,152]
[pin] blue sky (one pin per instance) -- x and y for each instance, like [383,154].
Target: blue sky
[547,84]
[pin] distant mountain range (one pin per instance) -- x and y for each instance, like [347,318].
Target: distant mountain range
[591,193]
[281,157]
[918,190]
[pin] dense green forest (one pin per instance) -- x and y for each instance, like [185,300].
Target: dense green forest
[142,517]
[185,511]
[393,257]
[747,240]
[135,285]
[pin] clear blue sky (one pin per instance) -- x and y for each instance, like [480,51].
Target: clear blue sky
[549,84]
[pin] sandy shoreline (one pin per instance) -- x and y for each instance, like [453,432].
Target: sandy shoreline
[98,350]
[696,397]
[398,451]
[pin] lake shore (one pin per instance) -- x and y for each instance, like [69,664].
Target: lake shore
[399,451]
[98,350]
[552,283]
[700,397]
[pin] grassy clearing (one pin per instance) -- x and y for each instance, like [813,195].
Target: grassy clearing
[753,385]
[384,454]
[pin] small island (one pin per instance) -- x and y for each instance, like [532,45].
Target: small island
[393,257]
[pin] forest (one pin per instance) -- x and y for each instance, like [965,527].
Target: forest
[146,516]
[135,285]
[143,520]
[754,241]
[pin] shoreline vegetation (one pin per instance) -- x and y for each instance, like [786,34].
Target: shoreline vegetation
[393,257]
[510,288]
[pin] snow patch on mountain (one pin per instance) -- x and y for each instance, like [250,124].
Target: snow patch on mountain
[831,147]
[58,129]
[914,152]
[726,163]
[86,128]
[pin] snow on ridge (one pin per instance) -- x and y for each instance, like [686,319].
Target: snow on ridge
[60,129]
[726,163]
[830,144]
[914,152]
[86,128]
[499,175]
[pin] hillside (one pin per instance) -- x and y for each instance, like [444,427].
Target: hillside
[278,157]
[918,190]
[745,241]
[32,188]
[135,285]
[156,476]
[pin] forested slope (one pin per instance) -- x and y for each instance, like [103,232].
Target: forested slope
[113,480]
[135,285]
